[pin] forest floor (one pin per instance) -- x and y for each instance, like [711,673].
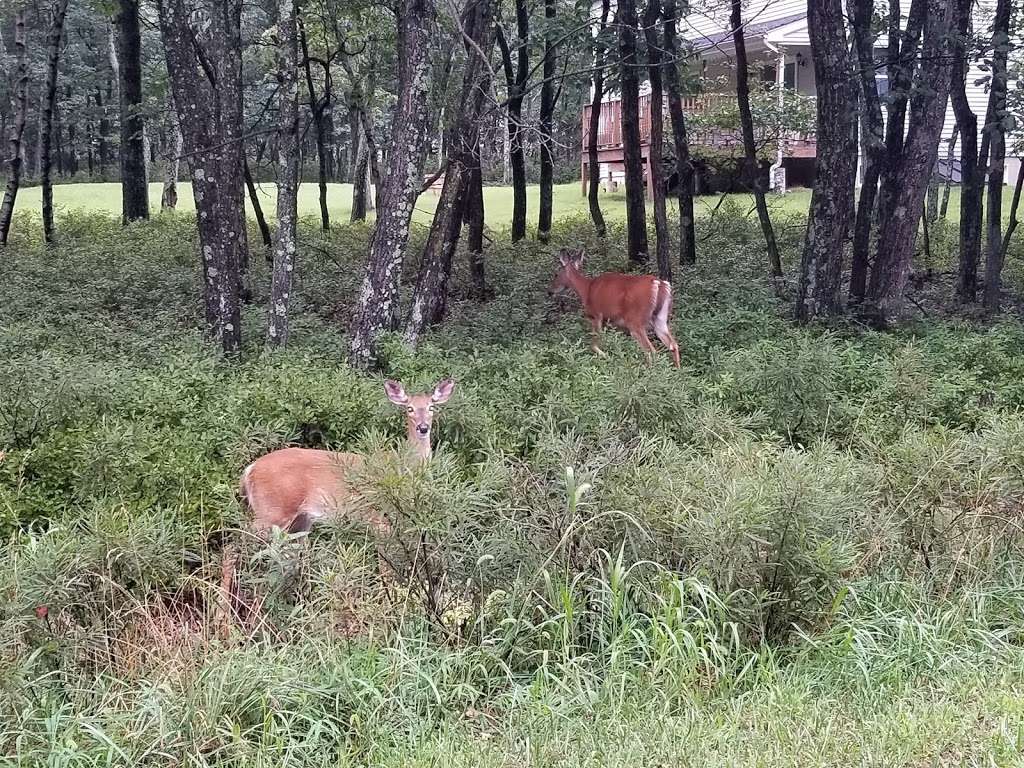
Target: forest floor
[804,548]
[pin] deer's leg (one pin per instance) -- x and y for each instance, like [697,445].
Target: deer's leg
[666,337]
[596,324]
[640,334]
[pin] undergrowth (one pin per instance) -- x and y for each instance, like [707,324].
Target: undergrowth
[805,542]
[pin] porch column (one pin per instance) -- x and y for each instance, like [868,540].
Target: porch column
[780,84]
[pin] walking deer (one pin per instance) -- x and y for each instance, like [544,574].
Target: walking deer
[637,303]
[294,488]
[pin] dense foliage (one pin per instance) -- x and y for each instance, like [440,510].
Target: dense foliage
[800,514]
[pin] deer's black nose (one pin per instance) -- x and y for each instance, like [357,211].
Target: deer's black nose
[423,428]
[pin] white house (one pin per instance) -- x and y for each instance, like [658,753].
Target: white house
[777,43]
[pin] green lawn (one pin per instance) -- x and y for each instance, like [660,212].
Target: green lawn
[497,200]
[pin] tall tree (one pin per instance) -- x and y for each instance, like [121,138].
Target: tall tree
[632,157]
[320,108]
[594,126]
[998,121]
[134,190]
[835,167]
[57,13]
[203,48]
[750,162]
[516,79]
[19,108]
[684,166]
[655,150]
[431,293]
[548,95]
[897,233]
[287,173]
[172,161]
[378,297]
[873,132]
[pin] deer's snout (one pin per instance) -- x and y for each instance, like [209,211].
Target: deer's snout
[423,429]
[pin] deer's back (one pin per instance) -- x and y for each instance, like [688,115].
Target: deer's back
[292,488]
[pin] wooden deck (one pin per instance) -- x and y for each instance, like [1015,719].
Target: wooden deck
[609,137]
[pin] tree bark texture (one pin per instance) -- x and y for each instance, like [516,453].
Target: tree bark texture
[632,156]
[317,108]
[898,229]
[747,129]
[205,68]
[287,173]
[169,194]
[657,143]
[548,95]
[378,297]
[516,79]
[832,199]
[134,189]
[972,166]
[996,124]
[475,222]
[19,108]
[431,294]
[950,158]
[56,32]
[594,125]
[684,165]
[872,129]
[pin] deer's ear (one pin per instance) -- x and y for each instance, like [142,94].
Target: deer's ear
[580,257]
[443,391]
[563,257]
[395,392]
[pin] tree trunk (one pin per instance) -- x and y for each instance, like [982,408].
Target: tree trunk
[317,107]
[547,111]
[898,230]
[431,295]
[996,128]
[474,215]
[169,196]
[58,11]
[593,166]
[360,174]
[632,157]
[751,165]
[516,80]
[972,175]
[654,159]
[950,159]
[684,166]
[287,174]
[134,190]
[378,298]
[372,201]
[257,206]
[19,107]
[205,69]
[832,202]
[873,132]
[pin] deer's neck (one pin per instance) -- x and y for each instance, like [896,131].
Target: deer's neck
[579,283]
[419,445]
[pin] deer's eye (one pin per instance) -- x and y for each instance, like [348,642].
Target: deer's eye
[430,408]
[410,409]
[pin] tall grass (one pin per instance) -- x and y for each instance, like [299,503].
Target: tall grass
[803,546]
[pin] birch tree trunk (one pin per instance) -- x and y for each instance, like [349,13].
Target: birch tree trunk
[57,14]
[19,107]
[287,174]
[378,297]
